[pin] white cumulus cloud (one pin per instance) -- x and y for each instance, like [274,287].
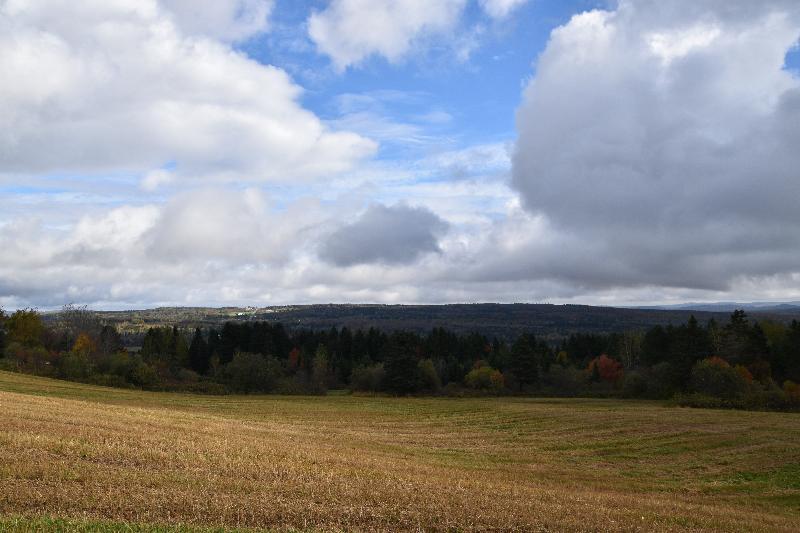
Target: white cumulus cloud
[230,20]
[351,30]
[500,8]
[119,85]
[661,139]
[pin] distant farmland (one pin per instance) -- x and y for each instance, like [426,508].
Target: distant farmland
[78,456]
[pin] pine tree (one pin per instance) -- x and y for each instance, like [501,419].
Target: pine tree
[523,361]
[402,376]
[199,354]
[179,349]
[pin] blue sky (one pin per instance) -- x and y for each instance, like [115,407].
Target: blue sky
[479,93]
[257,152]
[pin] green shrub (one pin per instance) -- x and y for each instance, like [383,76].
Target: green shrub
[250,372]
[296,384]
[454,390]
[108,380]
[485,378]
[428,377]
[634,385]
[75,366]
[659,381]
[188,376]
[714,377]
[120,364]
[772,398]
[565,381]
[205,387]
[601,389]
[367,378]
[31,358]
[702,401]
[142,375]
[792,392]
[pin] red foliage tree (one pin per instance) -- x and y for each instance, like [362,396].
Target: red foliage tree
[608,369]
[294,358]
[717,361]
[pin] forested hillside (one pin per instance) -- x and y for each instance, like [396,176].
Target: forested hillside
[737,363]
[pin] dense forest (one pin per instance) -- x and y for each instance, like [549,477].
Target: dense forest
[740,363]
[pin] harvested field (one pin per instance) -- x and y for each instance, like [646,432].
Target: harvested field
[81,457]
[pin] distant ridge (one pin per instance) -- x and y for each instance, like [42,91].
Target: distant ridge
[770,307]
[491,319]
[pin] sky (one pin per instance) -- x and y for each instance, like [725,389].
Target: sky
[271,152]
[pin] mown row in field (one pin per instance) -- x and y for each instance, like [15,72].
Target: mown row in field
[98,456]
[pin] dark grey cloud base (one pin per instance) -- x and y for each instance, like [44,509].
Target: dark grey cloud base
[392,235]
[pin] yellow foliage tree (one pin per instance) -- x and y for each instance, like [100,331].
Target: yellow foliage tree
[84,345]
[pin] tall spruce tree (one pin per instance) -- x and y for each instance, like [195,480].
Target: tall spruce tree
[199,354]
[402,376]
[523,362]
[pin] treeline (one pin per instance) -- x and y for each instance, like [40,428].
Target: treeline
[740,364]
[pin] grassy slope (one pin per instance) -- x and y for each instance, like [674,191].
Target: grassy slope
[100,457]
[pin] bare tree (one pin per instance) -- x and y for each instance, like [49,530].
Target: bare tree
[631,348]
[74,320]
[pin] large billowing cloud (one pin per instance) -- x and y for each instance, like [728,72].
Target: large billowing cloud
[134,85]
[385,234]
[658,145]
[351,30]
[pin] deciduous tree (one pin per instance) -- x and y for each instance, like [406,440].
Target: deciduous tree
[25,327]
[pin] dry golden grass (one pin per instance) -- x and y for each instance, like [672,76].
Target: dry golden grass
[114,460]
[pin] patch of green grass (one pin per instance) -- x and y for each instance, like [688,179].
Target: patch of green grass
[27,525]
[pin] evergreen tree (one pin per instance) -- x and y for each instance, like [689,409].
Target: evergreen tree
[280,341]
[110,341]
[523,361]
[656,346]
[790,356]
[736,338]
[343,361]
[228,342]
[199,355]
[756,347]
[2,332]
[178,349]
[689,344]
[402,376]
[319,370]
[156,344]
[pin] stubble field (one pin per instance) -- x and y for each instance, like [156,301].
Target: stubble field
[79,457]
